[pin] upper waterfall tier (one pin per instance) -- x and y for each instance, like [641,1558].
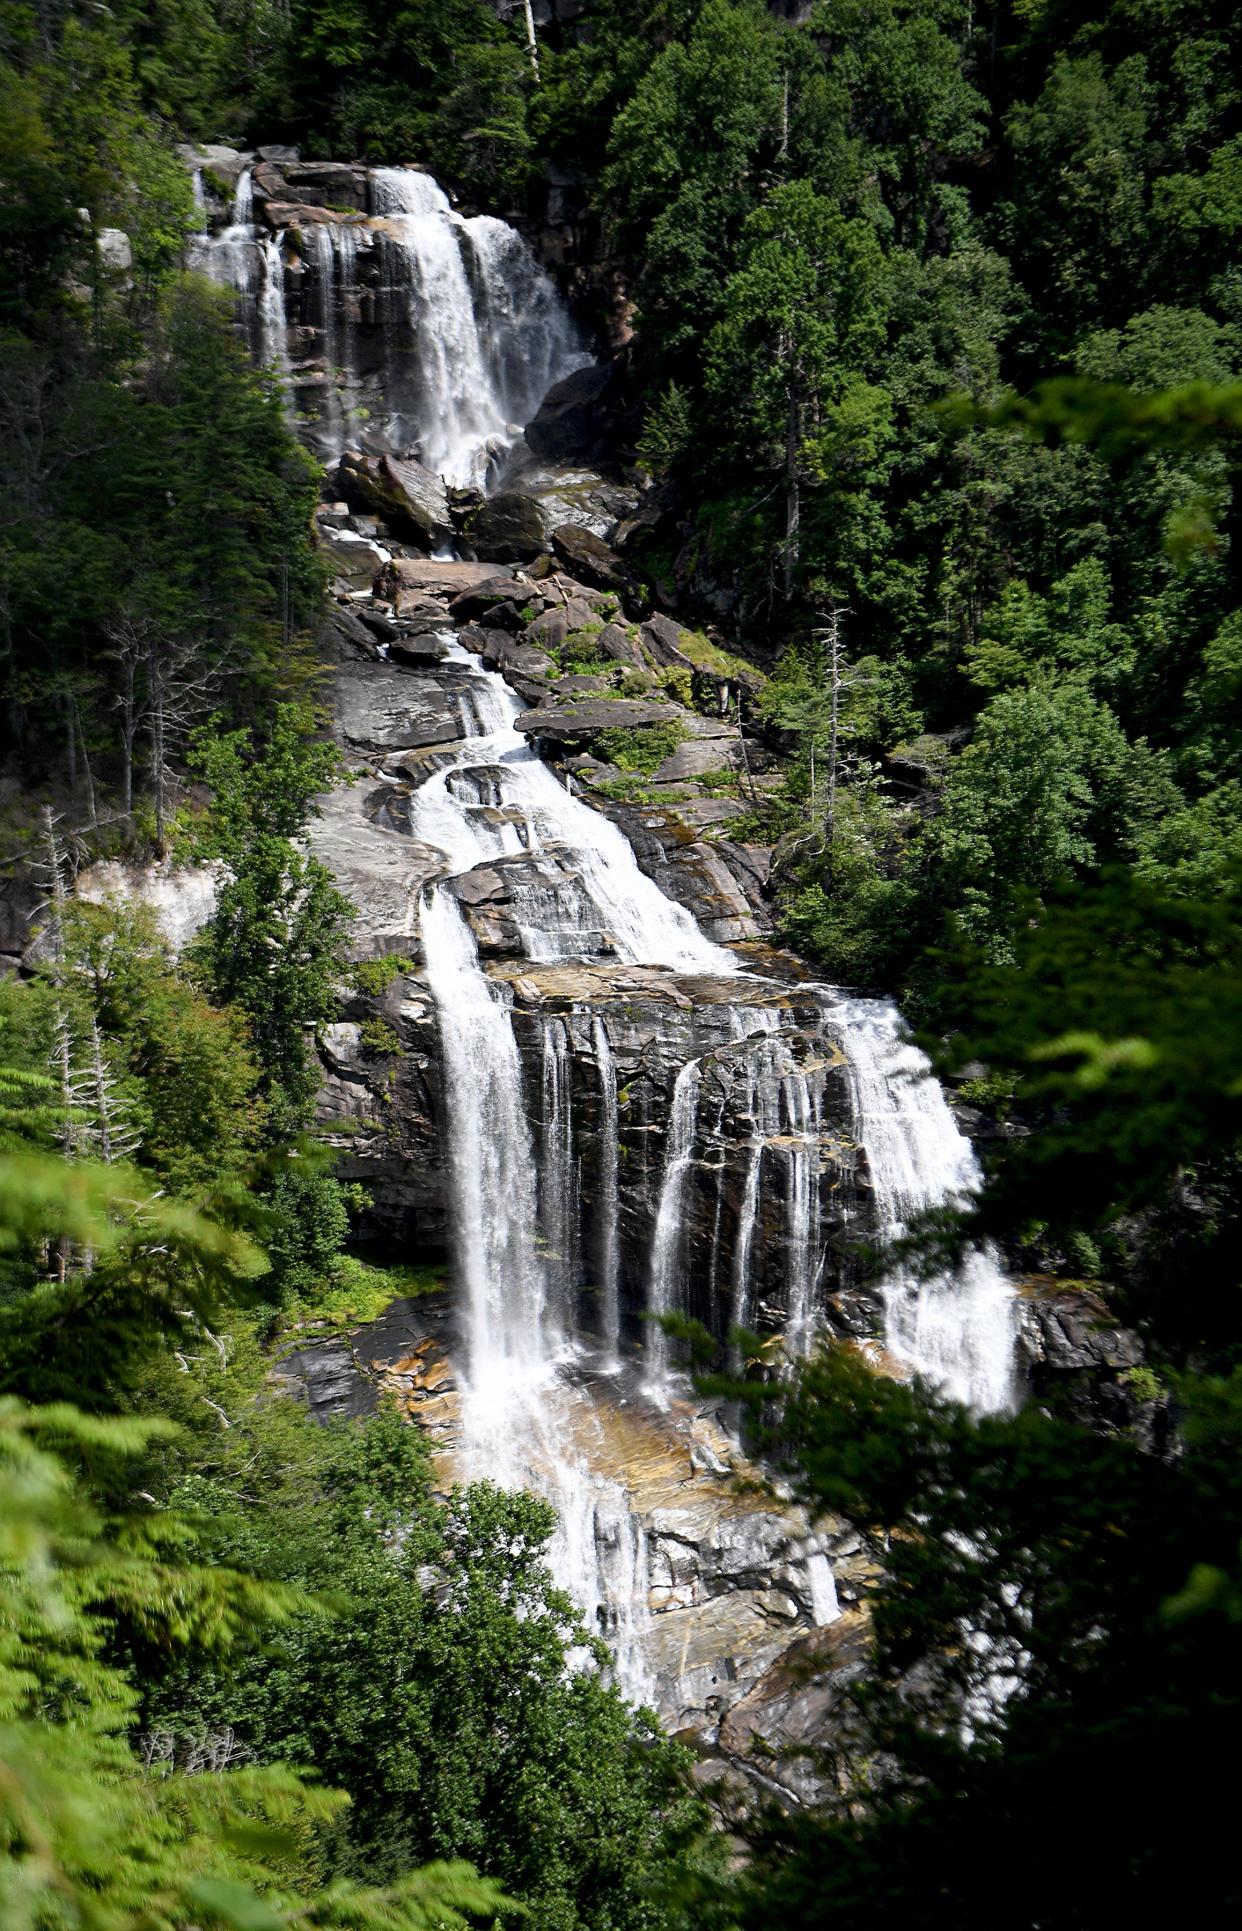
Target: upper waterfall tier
[401,327]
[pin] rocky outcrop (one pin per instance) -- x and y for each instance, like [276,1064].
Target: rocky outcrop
[1076,1356]
[575,417]
[580,724]
[409,498]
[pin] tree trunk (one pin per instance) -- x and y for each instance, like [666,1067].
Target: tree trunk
[793,493]
[532,45]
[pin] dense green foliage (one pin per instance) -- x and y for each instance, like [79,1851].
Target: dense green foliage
[938,325]
[1100,1589]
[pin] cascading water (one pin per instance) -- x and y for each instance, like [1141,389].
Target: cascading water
[229,256]
[440,336]
[608,1208]
[558,1177]
[662,1294]
[956,1330]
[488,334]
[520,1252]
[473,332]
[273,323]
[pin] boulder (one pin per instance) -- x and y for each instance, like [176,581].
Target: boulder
[572,419]
[21,898]
[400,490]
[615,642]
[661,642]
[509,524]
[587,557]
[355,560]
[331,184]
[116,253]
[299,214]
[695,759]
[278,154]
[485,599]
[504,653]
[549,630]
[415,610]
[579,723]
[345,626]
[379,708]
[225,164]
[450,579]
[420,648]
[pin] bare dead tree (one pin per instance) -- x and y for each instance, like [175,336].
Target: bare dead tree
[178,686]
[129,636]
[532,44]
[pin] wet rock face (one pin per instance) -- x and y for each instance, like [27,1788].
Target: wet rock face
[763,1224]
[745,1165]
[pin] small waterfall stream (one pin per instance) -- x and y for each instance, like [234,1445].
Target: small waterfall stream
[956,1330]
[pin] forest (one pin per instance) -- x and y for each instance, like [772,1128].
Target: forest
[926,328]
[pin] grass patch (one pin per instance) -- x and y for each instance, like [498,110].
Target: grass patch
[705,655]
[374,976]
[642,748]
[358,1292]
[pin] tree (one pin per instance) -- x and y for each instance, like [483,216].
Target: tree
[801,316]
[1097,1586]
[90,1834]
[442,1695]
[274,946]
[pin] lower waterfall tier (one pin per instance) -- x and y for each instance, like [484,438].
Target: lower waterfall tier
[602,1116]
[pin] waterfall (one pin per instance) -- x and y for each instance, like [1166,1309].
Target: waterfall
[664,1291]
[957,1330]
[229,257]
[643,927]
[488,334]
[558,1178]
[273,325]
[528,1419]
[474,333]
[490,1155]
[607,1206]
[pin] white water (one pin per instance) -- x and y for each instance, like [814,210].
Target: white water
[608,1203]
[228,257]
[639,924]
[663,1290]
[489,333]
[273,324]
[520,1249]
[474,333]
[956,1330]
